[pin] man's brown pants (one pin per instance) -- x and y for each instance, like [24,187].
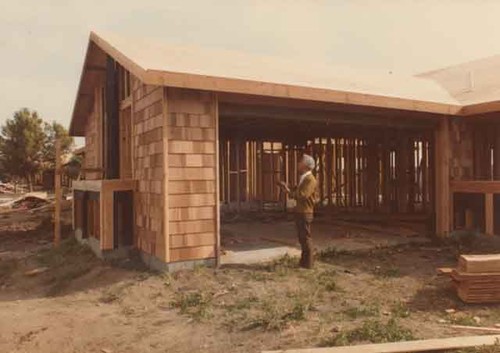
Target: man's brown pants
[303,222]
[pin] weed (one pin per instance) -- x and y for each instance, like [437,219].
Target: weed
[332,252]
[195,304]
[400,310]
[282,265]
[387,272]
[372,331]
[69,251]
[465,320]
[68,261]
[485,349]
[326,280]
[242,304]
[114,293]
[109,297]
[277,314]
[362,311]
[167,279]
[59,280]
[7,268]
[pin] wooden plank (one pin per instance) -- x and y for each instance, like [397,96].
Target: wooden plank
[475,186]
[107,211]
[166,181]
[443,205]
[215,112]
[438,344]
[479,263]
[58,195]
[489,215]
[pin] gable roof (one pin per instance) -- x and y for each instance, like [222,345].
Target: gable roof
[183,66]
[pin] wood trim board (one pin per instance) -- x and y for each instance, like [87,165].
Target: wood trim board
[430,345]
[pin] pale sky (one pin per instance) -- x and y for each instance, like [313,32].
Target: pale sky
[42,42]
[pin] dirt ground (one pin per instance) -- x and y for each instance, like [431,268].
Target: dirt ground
[77,303]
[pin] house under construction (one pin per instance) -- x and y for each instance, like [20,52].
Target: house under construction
[175,135]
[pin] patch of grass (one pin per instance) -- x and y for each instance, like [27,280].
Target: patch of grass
[69,251]
[282,265]
[7,268]
[327,281]
[242,304]
[387,271]
[59,280]
[66,262]
[362,311]
[485,349]
[400,310]
[372,331]
[196,304]
[274,316]
[465,320]
[330,253]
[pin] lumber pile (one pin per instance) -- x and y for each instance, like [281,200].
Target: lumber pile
[477,278]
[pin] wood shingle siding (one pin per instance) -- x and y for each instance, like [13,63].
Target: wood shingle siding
[191,171]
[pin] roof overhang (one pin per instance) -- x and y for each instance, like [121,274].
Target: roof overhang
[94,70]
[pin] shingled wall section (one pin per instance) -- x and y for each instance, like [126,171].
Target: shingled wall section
[148,168]
[191,187]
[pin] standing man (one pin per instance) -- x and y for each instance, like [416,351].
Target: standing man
[305,196]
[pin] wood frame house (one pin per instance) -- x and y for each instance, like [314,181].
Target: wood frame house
[175,135]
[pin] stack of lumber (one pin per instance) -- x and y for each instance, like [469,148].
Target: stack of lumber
[477,278]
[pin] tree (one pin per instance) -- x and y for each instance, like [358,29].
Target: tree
[52,131]
[21,145]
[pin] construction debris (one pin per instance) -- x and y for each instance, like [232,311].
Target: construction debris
[36,271]
[477,278]
[28,201]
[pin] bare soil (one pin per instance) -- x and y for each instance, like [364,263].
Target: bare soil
[78,303]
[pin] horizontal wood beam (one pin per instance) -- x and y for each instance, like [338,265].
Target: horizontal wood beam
[230,110]
[476,186]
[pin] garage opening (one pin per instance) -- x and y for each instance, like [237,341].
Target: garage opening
[374,171]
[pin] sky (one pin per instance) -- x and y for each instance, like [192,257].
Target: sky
[42,42]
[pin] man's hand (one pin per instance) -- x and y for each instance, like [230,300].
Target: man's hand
[284,186]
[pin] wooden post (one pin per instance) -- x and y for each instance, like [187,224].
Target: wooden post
[57,185]
[443,197]
[489,219]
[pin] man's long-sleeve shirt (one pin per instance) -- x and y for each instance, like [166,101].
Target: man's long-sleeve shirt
[305,194]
